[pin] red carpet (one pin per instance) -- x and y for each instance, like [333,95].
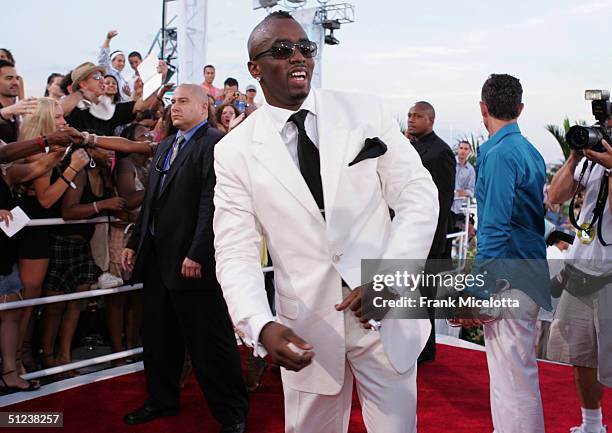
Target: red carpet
[453,397]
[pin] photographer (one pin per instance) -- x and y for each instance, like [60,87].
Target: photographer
[580,332]
[231,95]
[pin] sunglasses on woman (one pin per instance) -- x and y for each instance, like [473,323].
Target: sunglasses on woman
[284,49]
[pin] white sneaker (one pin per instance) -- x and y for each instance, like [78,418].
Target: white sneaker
[108,280]
[579,429]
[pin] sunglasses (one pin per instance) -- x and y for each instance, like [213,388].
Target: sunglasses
[96,77]
[284,49]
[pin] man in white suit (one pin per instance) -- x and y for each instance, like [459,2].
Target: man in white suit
[284,175]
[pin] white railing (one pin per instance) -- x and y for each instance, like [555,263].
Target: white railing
[61,221]
[462,236]
[75,296]
[82,364]
[461,256]
[67,297]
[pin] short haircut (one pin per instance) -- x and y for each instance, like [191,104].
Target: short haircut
[129,131]
[6,64]
[50,79]
[502,94]
[278,14]
[208,66]
[66,82]
[230,82]
[196,91]
[460,142]
[427,106]
[135,54]
[9,55]
[147,114]
[259,29]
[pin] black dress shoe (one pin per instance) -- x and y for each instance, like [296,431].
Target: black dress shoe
[234,428]
[147,413]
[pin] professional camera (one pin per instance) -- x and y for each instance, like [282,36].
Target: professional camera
[580,137]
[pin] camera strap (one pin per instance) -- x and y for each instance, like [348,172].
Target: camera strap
[600,205]
[572,215]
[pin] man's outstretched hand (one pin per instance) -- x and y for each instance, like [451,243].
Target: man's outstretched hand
[285,347]
[63,137]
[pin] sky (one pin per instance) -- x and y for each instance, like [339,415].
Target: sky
[440,51]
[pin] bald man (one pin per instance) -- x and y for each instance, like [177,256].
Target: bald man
[171,250]
[439,160]
[314,173]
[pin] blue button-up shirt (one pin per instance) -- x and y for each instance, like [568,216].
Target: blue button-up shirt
[510,177]
[465,178]
[187,136]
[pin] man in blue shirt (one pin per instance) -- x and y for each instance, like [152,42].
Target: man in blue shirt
[465,178]
[510,176]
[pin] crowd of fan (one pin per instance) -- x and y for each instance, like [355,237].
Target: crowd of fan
[80,152]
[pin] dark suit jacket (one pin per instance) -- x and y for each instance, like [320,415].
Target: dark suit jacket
[183,210]
[439,160]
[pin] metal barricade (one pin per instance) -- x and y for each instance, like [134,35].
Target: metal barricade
[461,257]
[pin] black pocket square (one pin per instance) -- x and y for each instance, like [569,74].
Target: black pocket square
[373,148]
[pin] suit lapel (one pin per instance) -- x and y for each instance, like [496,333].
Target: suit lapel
[334,139]
[155,175]
[272,153]
[181,157]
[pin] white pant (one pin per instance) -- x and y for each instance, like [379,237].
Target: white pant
[516,404]
[388,399]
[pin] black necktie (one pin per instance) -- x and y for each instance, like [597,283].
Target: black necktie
[308,157]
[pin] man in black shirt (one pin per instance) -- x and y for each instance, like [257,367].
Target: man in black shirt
[439,160]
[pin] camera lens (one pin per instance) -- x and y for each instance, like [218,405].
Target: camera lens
[583,137]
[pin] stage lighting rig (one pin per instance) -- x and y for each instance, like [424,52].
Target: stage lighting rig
[330,26]
[331,18]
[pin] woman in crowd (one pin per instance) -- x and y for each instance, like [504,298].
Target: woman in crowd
[10,283]
[10,287]
[114,63]
[66,83]
[53,89]
[129,177]
[111,88]
[36,198]
[164,126]
[71,265]
[228,117]
[148,118]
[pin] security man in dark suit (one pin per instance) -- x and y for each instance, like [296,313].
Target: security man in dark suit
[439,160]
[171,251]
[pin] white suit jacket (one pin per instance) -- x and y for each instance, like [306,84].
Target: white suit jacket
[261,192]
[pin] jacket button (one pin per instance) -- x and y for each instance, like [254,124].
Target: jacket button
[336,258]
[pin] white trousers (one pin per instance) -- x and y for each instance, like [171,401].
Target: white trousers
[388,399]
[516,404]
